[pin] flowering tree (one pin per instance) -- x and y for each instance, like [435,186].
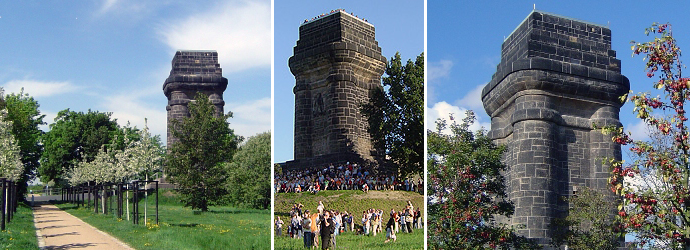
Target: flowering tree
[11,166]
[654,185]
[467,191]
[139,157]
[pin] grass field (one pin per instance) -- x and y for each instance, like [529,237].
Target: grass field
[348,240]
[180,228]
[20,232]
[353,202]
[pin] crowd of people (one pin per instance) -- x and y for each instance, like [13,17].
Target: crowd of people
[333,11]
[327,224]
[342,177]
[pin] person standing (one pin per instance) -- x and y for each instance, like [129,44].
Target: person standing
[390,230]
[279,226]
[306,226]
[409,218]
[327,229]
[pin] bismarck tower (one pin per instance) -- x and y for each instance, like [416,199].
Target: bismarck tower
[557,77]
[337,64]
[193,71]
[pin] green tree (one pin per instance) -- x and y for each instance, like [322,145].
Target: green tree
[396,116]
[195,162]
[249,181]
[467,191]
[588,225]
[74,135]
[22,111]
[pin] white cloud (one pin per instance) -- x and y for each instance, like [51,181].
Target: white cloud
[444,110]
[126,6]
[239,30]
[639,130]
[250,118]
[473,99]
[108,5]
[39,88]
[439,69]
[127,108]
[48,119]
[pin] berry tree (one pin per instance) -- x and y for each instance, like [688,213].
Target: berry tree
[654,184]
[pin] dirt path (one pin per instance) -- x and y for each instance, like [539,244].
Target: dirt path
[57,229]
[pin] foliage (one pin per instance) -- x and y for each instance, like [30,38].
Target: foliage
[654,185]
[249,173]
[195,162]
[11,166]
[23,111]
[467,191]
[588,225]
[140,157]
[74,136]
[396,116]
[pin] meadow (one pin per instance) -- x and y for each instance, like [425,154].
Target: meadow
[180,228]
[355,202]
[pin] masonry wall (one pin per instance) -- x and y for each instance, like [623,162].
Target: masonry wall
[337,64]
[556,78]
[193,72]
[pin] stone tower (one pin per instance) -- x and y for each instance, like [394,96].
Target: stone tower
[337,63]
[557,77]
[193,71]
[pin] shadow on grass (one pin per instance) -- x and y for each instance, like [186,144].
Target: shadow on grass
[185,225]
[239,211]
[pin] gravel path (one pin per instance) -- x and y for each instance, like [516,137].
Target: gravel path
[57,229]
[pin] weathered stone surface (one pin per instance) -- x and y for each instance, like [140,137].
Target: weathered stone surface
[337,63]
[193,71]
[556,78]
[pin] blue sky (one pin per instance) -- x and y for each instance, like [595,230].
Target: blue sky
[113,55]
[399,27]
[464,45]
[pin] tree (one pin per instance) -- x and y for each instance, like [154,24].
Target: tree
[467,191]
[587,225]
[654,185]
[11,166]
[396,116]
[22,111]
[249,173]
[73,136]
[142,155]
[195,162]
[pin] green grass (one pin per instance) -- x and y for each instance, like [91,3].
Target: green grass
[347,240]
[354,202]
[20,232]
[180,228]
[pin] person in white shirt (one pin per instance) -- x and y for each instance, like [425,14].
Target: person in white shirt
[306,228]
[279,226]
